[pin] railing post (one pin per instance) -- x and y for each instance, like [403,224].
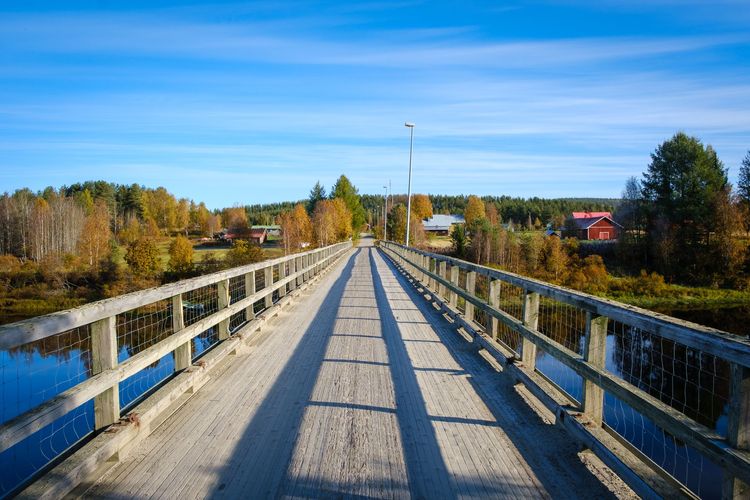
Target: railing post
[454,270]
[595,352]
[471,284]
[282,275]
[442,273]
[530,320]
[738,428]
[183,355]
[104,357]
[493,299]
[268,281]
[223,291]
[249,291]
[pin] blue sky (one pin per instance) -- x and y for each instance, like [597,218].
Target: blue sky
[253,102]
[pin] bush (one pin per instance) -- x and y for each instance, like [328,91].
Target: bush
[143,257]
[181,256]
[243,253]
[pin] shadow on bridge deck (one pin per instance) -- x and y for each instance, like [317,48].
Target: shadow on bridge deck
[361,391]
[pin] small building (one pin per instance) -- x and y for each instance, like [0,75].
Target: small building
[258,235]
[592,226]
[442,223]
[271,230]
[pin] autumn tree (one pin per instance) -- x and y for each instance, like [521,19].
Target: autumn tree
[324,222]
[421,206]
[474,211]
[93,244]
[296,228]
[143,257]
[235,218]
[243,253]
[181,255]
[397,226]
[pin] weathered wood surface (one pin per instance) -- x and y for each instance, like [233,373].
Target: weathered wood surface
[358,392]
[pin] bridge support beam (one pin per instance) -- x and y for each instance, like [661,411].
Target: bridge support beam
[493,299]
[224,299]
[454,270]
[442,268]
[104,357]
[530,320]
[471,284]
[183,355]
[595,352]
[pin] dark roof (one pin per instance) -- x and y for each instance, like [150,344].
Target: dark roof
[590,221]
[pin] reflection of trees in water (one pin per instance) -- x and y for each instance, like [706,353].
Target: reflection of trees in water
[562,323]
[65,347]
[695,383]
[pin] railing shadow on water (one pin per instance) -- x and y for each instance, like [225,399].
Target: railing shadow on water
[517,424]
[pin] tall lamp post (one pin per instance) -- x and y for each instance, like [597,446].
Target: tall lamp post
[385,214]
[410,126]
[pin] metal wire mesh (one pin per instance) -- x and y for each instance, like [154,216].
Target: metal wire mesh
[236,293]
[27,458]
[30,375]
[138,330]
[693,382]
[198,304]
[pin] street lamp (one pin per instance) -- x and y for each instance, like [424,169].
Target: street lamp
[385,214]
[410,126]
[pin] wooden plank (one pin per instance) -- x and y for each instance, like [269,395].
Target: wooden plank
[471,283]
[223,299]
[442,271]
[454,270]
[531,320]
[595,353]
[724,345]
[493,299]
[103,358]
[183,354]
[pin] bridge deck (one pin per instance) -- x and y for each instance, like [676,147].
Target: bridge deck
[361,390]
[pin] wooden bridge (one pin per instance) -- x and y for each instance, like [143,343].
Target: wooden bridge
[386,372]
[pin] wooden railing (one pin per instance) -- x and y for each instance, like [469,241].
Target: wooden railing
[235,302]
[527,311]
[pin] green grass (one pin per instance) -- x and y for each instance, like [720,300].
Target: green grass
[685,298]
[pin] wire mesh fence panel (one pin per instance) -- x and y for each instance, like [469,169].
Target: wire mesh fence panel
[510,300]
[684,463]
[142,328]
[566,325]
[237,292]
[30,375]
[139,385]
[692,382]
[137,330]
[199,304]
[236,289]
[35,372]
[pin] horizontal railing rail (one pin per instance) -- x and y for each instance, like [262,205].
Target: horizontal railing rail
[162,321]
[534,316]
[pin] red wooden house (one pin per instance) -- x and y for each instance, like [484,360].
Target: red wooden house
[593,226]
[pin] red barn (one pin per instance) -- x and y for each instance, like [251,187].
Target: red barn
[594,226]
